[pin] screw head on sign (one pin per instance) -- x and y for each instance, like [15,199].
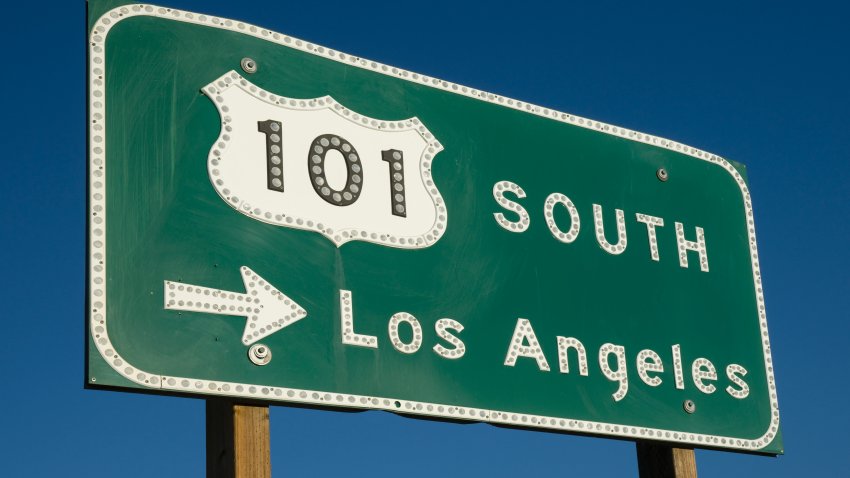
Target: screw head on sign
[249,65]
[260,354]
[689,406]
[661,174]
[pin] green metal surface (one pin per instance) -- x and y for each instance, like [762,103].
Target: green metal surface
[165,221]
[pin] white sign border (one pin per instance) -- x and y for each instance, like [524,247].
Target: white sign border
[97,251]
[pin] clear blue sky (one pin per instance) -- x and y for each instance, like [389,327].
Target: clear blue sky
[765,86]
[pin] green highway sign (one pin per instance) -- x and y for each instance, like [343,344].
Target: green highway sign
[275,220]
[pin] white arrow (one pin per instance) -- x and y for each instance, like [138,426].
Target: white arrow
[266,308]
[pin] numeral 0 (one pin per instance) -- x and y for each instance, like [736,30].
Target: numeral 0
[316,167]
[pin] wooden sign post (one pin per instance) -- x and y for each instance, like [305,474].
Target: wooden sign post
[661,461]
[237,440]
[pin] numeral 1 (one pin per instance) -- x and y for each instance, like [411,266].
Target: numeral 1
[274,153]
[398,196]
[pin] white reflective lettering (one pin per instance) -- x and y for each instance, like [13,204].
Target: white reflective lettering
[549,214]
[346,318]
[416,329]
[620,246]
[736,374]
[685,246]
[524,333]
[677,367]
[566,343]
[702,370]
[524,221]
[653,364]
[442,328]
[621,374]
[651,223]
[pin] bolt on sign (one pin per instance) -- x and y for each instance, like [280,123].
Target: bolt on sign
[276,220]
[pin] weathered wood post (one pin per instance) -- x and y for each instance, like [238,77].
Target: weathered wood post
[237,440]
[662,461]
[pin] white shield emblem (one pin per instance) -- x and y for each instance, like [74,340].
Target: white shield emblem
[314,164]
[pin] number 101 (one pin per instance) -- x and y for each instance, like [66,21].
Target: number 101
[316,167]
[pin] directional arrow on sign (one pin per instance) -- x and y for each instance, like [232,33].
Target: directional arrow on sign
[266,308]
